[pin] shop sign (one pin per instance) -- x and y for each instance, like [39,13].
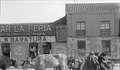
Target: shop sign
[8,30]
[28,39]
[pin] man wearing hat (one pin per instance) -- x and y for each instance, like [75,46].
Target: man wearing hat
[101,60]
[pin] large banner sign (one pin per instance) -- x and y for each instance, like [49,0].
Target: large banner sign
[28,39]
[7,30]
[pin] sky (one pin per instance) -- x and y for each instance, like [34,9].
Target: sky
[36,11]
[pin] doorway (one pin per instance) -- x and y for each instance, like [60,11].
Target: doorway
[46,48]
[33,50]
[5,49]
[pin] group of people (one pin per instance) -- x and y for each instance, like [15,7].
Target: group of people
[74,64]
[99,61]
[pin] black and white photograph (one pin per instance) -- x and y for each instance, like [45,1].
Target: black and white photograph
[59,35]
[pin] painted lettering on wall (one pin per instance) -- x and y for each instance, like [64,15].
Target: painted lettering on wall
[27,29]
[28,39]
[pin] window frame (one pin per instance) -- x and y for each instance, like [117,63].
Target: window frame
[81,47]
[81,52]
[35,44]
[106,48]
[80,28]
[81,24]
[105,28]
[104,23]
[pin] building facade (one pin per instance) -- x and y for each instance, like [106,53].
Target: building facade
[85,28]
[93,27]
[20,41]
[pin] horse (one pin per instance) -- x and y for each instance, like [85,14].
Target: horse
[57,61]
[90,63]
[6,62]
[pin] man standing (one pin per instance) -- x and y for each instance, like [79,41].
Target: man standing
[95,64]
[33,53]
[102,61]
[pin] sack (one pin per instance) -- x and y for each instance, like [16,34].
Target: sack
[52,60]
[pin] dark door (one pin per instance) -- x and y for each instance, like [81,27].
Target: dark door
[6,49]
[46,47]
[33,50]
[106,44]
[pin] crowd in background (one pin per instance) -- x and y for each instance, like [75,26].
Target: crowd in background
[99,59]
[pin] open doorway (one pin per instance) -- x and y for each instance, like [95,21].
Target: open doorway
[46,48]
[6,49]
[33,50]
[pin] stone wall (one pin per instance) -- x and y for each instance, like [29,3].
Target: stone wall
[95,44]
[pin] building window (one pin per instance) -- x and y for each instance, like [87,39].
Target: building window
[81,46]
[80,28]
[106,45]
[81,25]
[105,28]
